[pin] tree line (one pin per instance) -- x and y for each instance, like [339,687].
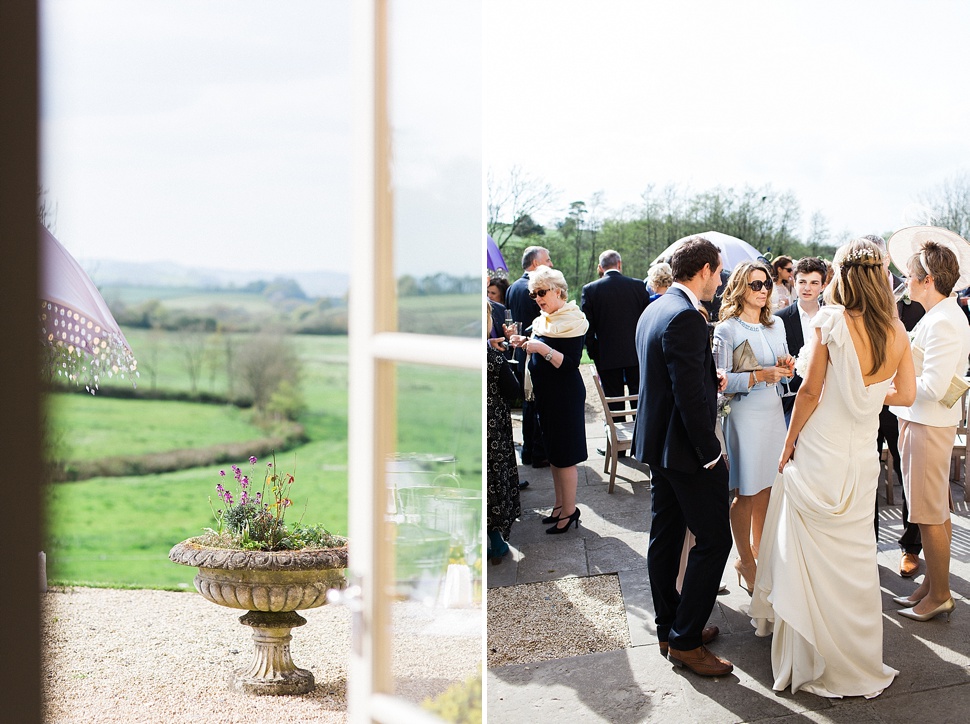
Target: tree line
[766,218]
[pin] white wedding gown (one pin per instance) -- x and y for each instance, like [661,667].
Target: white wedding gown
[817,587]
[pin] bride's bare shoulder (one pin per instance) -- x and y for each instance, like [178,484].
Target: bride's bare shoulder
[900,338]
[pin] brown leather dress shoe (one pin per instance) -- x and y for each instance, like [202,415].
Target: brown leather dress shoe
[707,635]
[700,661]
[908,565]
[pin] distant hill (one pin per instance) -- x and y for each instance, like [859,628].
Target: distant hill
[111,272]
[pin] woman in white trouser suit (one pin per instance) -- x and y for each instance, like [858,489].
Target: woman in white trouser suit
[928,427]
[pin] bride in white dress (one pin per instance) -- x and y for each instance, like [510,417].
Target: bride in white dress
[817,586]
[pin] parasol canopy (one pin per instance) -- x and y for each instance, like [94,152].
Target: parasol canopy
[733,250]
[82,338]
[493,255]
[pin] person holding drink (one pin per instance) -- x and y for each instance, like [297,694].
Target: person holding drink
[554,351]
[752,351]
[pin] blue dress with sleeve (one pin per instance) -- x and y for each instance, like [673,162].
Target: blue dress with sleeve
[754,431]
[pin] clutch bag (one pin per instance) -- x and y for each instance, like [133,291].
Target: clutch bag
[957,387]
[744,359]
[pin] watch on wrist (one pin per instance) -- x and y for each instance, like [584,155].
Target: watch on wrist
[548,357]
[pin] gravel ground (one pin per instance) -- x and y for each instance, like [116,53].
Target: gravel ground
[159,656]
[553,620]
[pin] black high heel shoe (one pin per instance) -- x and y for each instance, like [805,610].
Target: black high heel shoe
[574,518]
[552,518]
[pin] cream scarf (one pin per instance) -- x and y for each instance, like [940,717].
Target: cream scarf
[567,321]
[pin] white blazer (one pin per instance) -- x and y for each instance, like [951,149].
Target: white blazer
[944,336]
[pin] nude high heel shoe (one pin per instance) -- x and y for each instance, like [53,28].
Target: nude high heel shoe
[739,570]
[945,608]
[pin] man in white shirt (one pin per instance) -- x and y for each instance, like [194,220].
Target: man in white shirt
[797,317]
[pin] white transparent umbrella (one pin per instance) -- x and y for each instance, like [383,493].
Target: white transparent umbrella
[82,340]
[733,249]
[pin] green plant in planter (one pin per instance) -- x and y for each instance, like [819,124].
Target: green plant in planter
[255,519]
[461,703]
[259,563]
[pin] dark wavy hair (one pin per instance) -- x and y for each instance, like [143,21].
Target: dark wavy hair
[691,256]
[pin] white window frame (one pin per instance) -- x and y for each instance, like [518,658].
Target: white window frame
[375,348]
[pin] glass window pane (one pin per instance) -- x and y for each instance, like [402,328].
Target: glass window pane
[435,115]
[435,502]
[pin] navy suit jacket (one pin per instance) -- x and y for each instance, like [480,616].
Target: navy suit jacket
[796,340]
[613,305]
[498,318]
[678,387]
[524,308]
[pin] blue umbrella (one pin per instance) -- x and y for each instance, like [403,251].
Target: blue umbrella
[494,258]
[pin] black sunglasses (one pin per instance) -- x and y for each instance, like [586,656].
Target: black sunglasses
[539,293]
[757,285]
[787,269]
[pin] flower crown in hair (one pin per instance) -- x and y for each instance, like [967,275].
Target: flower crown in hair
[864,256]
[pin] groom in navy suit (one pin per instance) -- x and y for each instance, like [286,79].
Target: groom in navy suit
[675,436]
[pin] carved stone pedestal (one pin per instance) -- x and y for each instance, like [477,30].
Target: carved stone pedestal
[272,670]
[271,586]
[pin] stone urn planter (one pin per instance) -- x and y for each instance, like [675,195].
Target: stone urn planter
[271,586]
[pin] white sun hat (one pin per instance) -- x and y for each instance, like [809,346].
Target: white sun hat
[910,240]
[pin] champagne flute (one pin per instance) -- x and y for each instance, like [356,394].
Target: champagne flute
[510,328]
[899,292]
[786,360]
[722,356]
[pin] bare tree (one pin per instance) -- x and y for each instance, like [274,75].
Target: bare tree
[818,232]
[515,200]
[950,204]
[263,363]
[148,356]
[192,343]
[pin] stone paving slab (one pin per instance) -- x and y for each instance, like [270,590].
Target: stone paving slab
[637,685]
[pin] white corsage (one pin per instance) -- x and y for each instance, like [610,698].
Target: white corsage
[801,364]
[723,405]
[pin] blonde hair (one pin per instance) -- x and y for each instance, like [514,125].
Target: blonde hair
[860,284]
[732,301]
[548,278]
[660,275]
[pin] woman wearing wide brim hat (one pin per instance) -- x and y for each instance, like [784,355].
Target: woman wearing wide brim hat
[936,262]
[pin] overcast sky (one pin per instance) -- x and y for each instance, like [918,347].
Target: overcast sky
[218,133]
[856,107]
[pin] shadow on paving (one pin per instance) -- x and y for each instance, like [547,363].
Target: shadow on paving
[635,684]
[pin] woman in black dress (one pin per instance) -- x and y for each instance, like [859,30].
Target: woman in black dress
[552,371]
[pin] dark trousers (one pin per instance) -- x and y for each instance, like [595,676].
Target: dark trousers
[909,541]
[617,381]
[698,501]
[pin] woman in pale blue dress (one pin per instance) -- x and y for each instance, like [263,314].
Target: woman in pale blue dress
[754,431]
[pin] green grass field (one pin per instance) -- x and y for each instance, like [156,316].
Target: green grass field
[149,426]
[118,531]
